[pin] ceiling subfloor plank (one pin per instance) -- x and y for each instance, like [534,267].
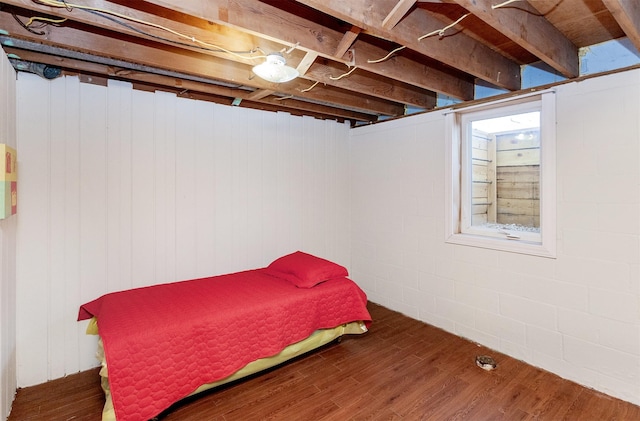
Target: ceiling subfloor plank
[627,14]
[527,28]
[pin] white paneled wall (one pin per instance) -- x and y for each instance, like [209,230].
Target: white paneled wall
[123,188]
[7,248]
[577,315]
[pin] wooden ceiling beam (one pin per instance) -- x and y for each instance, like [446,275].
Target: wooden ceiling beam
[409,71]
[627,14]
[197,64]
[399,10]
[262,20]
[328,72]
[210,33]
[280,108]
[527,28]
[347,41]
[297,104]
[275,24]
[412,72]
[214,92]
[306,62]
[458,51]
[230,39]
[258,94]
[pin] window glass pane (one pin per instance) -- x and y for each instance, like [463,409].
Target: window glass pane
[501,182]
[505,172]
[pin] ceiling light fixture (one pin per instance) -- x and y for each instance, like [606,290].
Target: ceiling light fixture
[275,69]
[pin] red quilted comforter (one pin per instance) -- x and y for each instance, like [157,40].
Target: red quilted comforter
[162,342]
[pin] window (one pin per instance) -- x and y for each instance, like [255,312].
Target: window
[501,175]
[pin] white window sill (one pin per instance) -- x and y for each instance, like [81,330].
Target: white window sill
[504,244]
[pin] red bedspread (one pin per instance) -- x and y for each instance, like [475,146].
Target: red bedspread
[162,342]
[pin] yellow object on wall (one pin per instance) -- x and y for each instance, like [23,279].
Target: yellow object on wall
[8,182]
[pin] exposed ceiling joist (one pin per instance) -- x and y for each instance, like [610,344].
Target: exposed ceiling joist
[356,60]
[526,27]
[329,74]
[178,30]
[347,41]
[306,62]
[188,88]
[399,10]
[409,71]
[276,24]
[627,13]
[201,65]
[258,94]
[229,39]
[261,19]
[470,55]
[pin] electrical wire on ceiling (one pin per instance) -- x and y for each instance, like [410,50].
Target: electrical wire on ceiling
[344,75]
[112,15]
[182,44]
[203,45]
[439,32]
[385,58]
[69,8]
[44,21]
[25,26]
[496,6]
[310,87]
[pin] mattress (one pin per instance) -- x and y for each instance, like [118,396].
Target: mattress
[316,340]
[164,342]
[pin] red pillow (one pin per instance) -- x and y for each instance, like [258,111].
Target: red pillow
[305,270]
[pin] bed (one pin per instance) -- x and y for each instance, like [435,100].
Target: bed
[160,344]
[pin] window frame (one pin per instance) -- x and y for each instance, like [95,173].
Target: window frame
[457,190]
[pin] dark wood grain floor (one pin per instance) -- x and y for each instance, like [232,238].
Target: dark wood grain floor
[401,369]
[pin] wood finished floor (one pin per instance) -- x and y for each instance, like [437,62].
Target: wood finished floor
[401,369]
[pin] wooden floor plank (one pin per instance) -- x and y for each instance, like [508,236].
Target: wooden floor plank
[401,369]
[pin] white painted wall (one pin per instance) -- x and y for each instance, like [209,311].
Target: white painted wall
[122,188]
[7,248]
[577,315]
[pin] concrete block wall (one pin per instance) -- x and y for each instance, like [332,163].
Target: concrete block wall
[577,315]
